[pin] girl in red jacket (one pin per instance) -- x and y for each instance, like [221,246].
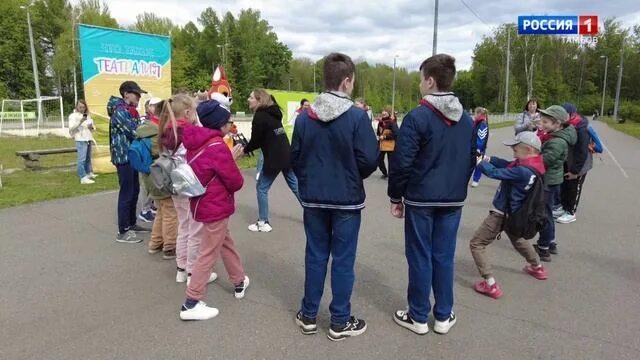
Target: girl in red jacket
[216,169]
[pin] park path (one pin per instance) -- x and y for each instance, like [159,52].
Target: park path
[68,291]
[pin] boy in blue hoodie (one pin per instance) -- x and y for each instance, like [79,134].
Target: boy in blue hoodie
[333,149]
[517,178]
[429,173]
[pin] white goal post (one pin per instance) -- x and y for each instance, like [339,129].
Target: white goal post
[33,117]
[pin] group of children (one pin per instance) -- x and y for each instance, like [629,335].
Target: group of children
[556,155]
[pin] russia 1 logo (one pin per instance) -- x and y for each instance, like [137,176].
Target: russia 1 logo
[588,25]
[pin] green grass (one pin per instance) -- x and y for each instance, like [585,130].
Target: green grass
[500,125]
[631,128]
[20,186]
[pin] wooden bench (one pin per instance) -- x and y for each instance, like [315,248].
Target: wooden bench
[32,157]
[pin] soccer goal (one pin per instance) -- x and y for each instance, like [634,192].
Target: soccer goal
[33,117]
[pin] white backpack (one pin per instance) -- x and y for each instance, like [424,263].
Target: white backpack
[184,180]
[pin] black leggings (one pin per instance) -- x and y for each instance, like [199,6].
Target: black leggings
[381,165]
[570,193]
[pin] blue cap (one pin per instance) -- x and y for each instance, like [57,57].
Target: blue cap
[213,115]
[570,108]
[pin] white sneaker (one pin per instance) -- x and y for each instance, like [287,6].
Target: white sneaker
[474,184]
[212,278]
[403,319]
[199,312]
[240,289]
[260,226]
[181,276]
[86,181]
[558,212]
[566,218]
[92,176]
[443,327]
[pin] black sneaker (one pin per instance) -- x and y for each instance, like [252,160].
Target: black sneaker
[307,325]
[553,248]
[169,255]
[139,228]
[353,327]
[544,254]
[128,237]
[403,319]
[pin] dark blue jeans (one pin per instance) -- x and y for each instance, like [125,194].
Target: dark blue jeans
[335,233]
[430,245]
[127,197]
[548,234]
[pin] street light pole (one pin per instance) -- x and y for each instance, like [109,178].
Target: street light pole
[604,82]
[314,76]
[34,63]
[617,102]
[506,90]
[435,30]
[393,91]
[73,47]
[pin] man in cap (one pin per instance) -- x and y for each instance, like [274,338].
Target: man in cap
[123,122]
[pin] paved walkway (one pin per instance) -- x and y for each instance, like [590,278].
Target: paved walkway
[69,291]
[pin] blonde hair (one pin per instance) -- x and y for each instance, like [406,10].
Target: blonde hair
[173,108]
[263,97]
[481,110]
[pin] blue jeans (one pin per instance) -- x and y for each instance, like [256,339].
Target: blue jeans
[548,234]
[430,245]
[260,164]
[127,197]
[84,158]
[262,188]
[477,174]
[335,233]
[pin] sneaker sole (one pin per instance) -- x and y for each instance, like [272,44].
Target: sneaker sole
[566,222]
[136,241]
[442,332]
[186,317]
[306,329]
[408,326]
[495,297]
[339,337]
[153,251]
[535,277]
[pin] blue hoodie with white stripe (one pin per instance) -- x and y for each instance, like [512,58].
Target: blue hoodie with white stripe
[334,148]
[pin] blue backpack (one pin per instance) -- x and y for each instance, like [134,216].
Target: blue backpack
[595,145]
[139,154]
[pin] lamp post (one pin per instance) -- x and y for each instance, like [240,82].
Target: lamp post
[314,76]
[604,82]
[506,86]
[393,91]
[435,30]
[73,48]
[616,104]
[34,63]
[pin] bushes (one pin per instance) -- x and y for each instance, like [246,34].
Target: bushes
[629,111]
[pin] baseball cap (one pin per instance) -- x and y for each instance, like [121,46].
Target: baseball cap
[557,112]
[526,137]
[131,86]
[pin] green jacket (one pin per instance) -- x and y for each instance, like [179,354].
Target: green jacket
[555,152]
[150,130]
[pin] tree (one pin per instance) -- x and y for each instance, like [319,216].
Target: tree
[153,24]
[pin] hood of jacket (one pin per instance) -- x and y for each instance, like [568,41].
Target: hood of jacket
[447,103]
[330,105]
[273,110]
[146,130]
[113,103]
[535,162]
[195,137]
[567,134]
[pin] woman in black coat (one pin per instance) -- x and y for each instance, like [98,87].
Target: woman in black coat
[268,134]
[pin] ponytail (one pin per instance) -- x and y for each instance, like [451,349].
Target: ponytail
[166,116]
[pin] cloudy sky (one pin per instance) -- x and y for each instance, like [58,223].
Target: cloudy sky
[376,30]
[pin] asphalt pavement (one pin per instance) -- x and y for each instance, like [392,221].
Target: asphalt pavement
[69,291]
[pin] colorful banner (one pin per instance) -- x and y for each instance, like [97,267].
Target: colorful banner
[112,56]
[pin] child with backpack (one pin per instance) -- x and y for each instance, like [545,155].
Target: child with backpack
[216,169]
[556,141]
[481,122]
[141,154]
[178,113]
[519,179]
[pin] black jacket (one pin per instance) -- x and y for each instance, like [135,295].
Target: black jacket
[268,134]
[580,159]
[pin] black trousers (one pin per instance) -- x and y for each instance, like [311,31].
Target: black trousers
[570,193]
[381,164]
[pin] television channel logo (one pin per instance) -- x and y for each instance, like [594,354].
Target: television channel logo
[558,25]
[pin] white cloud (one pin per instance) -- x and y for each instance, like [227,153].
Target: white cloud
[376,30]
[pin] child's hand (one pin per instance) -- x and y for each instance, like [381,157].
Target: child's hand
[397,210]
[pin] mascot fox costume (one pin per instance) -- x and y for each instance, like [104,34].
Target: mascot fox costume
[220,91]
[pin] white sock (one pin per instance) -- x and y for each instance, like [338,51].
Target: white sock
[490,281]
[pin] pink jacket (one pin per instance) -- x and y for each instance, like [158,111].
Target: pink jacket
[215,167]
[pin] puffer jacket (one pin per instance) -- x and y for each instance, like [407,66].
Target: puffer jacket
[216,169]
[555,152]
[123,123]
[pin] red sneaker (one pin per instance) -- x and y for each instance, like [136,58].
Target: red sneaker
[494,291]
[537,272]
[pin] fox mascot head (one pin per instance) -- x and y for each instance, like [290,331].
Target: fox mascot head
[220,88]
